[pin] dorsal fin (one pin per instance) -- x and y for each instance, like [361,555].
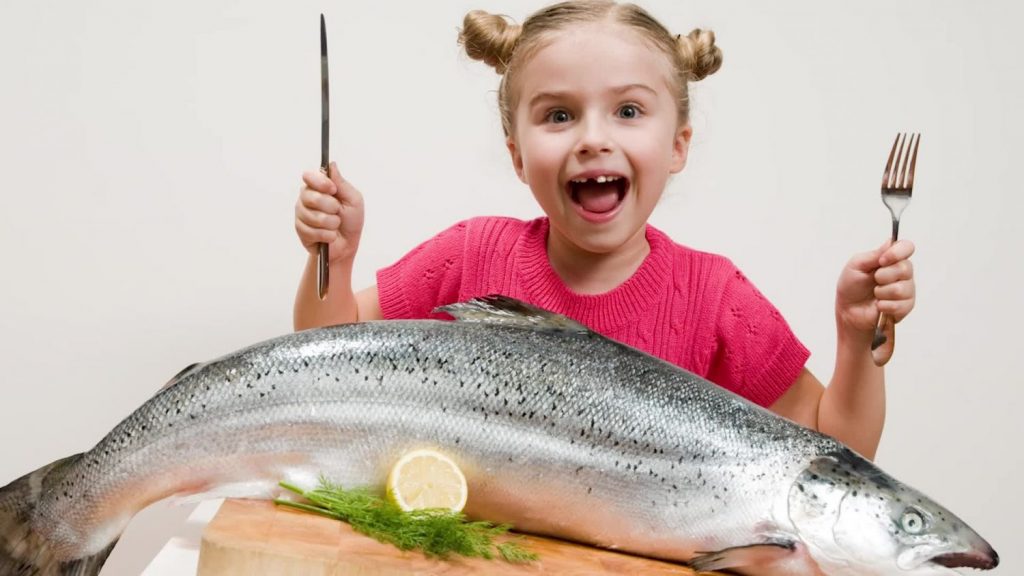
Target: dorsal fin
[498,309]
[184,372]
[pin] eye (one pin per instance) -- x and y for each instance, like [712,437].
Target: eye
[912,521]
[629,111]
[558,116]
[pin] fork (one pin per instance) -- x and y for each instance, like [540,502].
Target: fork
[897,186]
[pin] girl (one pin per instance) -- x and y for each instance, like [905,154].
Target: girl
[594,105]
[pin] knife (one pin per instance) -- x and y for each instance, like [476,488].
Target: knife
[322,278]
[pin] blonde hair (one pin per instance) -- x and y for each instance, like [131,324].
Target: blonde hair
[505,46]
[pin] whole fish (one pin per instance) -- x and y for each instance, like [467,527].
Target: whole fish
[559,431]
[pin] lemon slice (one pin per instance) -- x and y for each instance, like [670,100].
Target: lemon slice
[427,479]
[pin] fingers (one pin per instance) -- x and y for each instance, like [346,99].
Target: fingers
[317,180]
[311,235]
[327,196]
[890,253]
[314,226]
[315,201]
[335,175]
[346,192]
[318,210]
[329,210]
[896,289]
[866,261]
[894,278]
[901,290]
[896,309]
[883,279]
[896,272]
[885,255]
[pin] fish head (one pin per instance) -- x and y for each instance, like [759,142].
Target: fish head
[857,520]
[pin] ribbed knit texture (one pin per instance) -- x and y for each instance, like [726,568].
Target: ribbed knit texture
[691,308]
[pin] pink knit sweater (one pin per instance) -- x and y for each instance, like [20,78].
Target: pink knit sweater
[691,308]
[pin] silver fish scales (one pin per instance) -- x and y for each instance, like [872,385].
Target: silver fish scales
[559,431]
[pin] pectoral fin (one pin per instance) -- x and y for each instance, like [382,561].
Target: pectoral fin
[752,555]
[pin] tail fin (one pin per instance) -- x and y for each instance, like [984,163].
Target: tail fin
[23,551]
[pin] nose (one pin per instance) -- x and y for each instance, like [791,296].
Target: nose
[594,139]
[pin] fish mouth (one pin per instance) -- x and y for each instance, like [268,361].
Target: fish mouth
[597,195]
[986,560]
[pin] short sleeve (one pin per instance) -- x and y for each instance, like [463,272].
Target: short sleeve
[427,277]
[756,355]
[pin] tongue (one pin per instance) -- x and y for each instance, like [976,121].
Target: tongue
[596,197]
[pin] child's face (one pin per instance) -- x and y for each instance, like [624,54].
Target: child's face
[596,103]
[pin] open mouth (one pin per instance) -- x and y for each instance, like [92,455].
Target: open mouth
[598,195]
[967,560]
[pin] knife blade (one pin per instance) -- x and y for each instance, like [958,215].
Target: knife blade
[322,277]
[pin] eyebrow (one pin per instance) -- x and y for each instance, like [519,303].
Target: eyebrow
[557,95]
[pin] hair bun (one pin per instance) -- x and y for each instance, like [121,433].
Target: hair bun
[490,38]
[699,53]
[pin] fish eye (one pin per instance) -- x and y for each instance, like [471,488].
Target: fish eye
[912,521]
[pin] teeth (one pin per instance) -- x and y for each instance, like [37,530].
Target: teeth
[599,179]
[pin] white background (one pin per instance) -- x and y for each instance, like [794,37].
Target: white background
[150,156]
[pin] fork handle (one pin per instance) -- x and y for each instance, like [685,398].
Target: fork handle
[880,337]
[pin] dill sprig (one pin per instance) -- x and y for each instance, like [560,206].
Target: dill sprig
[438,533]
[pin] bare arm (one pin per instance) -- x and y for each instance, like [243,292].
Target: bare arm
[852,408]
[341,306]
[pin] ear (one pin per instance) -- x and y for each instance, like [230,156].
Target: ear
[517,157]
[680,148]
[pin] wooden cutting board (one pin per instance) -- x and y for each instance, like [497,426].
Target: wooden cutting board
[257,537]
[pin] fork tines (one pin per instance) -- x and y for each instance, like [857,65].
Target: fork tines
[900,176]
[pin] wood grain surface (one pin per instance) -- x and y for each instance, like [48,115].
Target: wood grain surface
[257,537]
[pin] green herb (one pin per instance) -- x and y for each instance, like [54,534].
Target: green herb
[438,533]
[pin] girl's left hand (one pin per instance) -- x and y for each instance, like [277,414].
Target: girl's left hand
[881,280]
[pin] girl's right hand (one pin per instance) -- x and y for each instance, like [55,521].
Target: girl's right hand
[329,210]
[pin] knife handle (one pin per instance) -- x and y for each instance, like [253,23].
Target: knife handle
[322,271]
[322,259]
